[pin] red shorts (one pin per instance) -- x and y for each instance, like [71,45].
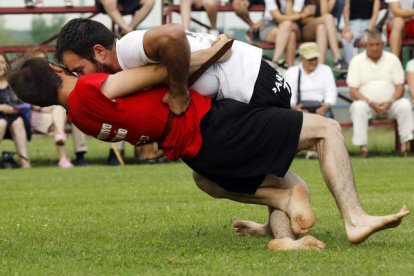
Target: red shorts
[408,30]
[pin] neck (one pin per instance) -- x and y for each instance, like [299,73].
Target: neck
[115,62]
[68,83]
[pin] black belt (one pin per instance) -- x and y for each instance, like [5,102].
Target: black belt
[192,79]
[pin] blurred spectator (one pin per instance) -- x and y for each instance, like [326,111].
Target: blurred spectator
[376,83]
[321,28]
[39,3]
[241,8]
[211,7]
[139,9]
[312,84]
[410,81]
[53,118]
[402,23]
[13,122]
[358,17]
[279,27]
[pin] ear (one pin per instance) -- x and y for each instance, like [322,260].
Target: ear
[56,69]
[99,52]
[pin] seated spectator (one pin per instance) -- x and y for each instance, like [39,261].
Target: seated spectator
[410,81]
[376,83]
[139,9]
[401,24]
[358,17]
[211,7]
[279,27]
[320,27]
[39,3]
[241,8]
[53,119]
[13,123]
[312,85]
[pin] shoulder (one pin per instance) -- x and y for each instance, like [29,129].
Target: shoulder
[292,70]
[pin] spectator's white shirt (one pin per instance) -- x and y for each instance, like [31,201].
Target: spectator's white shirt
[376,81]
[404,4]
[233,79]
[271,5]
[317,86]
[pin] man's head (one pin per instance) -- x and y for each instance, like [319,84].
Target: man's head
[85,46]
[309,54]
[374,44]
[35,82]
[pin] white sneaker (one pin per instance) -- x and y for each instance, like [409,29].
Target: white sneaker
[311,154]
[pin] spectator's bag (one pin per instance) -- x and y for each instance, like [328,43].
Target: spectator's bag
[7,161]
[310,106]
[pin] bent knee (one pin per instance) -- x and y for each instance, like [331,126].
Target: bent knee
[208,186]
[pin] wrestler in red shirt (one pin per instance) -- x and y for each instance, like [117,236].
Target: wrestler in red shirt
[138,118]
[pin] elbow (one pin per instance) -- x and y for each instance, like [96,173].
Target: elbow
[176,32]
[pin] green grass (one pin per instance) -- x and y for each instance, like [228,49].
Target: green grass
[152,220]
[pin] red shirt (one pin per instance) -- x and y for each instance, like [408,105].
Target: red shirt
[138,118]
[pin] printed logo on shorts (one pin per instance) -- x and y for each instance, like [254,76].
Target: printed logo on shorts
[280,85]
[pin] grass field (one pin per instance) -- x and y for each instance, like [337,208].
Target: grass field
[152,220]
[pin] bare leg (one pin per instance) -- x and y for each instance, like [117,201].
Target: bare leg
[291,48]
[279,228]
[241,8]
[185,10]
[18,134]
[289,194]
[111,9]
[337,172]
[142,13]
[280,36]
[211,7]
[397,31]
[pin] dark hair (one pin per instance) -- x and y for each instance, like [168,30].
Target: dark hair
[35,82]
[79,36]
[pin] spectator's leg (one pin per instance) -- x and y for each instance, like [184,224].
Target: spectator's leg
[291,46]
[396,35]
[338,10]
[321,40]
[80,146]
[111,9]
[315,31]
[401,110]
[241,8]
[185,10]
[212,7]
[280,36]
[59,120]
[142,13]
[18,133]
[3,128]
[332,36]
[360,115]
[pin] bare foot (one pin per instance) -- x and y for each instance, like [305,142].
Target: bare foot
[299,210]
[306,243]
[244,227]
[358,233]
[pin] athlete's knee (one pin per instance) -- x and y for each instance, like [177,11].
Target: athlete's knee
[208,186]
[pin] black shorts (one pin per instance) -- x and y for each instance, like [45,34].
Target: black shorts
[242,143]
[270,88]
[126,6]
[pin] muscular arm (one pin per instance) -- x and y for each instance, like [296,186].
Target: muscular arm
[130,81]
[169,45]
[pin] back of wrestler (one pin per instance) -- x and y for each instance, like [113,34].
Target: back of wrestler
[138,118]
